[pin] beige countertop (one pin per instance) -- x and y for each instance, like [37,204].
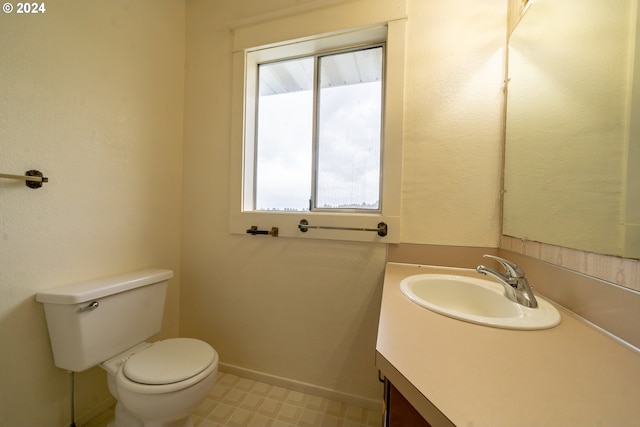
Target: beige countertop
[461,374]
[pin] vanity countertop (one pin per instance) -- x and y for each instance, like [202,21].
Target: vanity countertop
[462,374]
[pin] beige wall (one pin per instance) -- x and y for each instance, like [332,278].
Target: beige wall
[453,122]
[96,90]
[307,310]
[91,93]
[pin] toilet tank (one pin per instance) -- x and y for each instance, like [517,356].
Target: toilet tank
[90,322]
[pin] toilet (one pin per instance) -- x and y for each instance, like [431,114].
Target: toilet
[105,323]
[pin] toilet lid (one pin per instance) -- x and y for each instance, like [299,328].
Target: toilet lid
[169,361]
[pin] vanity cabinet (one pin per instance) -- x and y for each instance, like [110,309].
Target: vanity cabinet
[398,410]
[453,372]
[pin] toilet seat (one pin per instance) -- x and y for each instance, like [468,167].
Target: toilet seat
[165,366]
[169,361]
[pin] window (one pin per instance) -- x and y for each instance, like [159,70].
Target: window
[317,134]
[337,167]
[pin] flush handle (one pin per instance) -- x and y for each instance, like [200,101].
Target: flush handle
[91,306]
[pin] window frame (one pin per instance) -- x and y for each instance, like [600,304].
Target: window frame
[243,148]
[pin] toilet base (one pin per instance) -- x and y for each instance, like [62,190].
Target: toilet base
[123,418]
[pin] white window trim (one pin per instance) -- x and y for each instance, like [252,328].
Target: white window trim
[242,123]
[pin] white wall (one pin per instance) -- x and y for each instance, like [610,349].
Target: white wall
[307,311]
[91,93]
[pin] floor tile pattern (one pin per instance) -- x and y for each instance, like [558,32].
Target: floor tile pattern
[239,402]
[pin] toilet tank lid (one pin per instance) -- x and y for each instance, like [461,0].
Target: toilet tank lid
[98,288]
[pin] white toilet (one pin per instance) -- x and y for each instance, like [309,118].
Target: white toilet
[106,322]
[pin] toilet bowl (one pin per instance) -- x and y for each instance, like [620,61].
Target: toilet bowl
[105,322]
[160,384]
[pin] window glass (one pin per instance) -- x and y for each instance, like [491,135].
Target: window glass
[283,167]
[349,125]
[346,150]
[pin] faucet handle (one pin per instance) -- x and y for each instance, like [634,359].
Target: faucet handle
[513,271]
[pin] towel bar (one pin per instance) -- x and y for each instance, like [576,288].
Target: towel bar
[32,178]
[382,228]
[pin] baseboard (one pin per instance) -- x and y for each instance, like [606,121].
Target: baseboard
[327,393]
[96,411]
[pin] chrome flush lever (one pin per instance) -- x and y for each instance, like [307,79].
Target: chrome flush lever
[91,306]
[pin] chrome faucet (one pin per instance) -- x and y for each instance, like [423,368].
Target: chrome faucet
[516,286]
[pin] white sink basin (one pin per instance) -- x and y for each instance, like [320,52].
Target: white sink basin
[477,301]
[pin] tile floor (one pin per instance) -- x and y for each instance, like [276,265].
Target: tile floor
[240,402]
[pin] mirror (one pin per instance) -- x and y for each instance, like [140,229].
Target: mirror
[572,154]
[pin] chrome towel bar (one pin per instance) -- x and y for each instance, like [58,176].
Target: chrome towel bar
[382,228]
[32,178]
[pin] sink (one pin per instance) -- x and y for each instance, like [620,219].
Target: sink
[477,301]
